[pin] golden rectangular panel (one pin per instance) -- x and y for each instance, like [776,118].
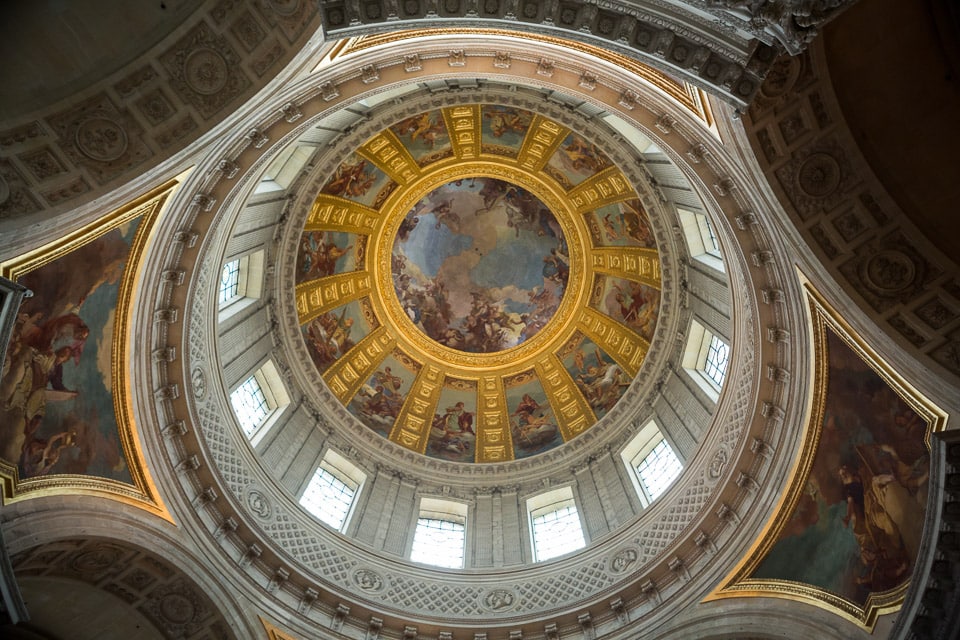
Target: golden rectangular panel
[347,375]
[387,152]
[632,263]
[542,139]
[464,125]
[412,428]
[493,434]
[569,406]
[318,296]
[330,213]
[626,347]
[601,189]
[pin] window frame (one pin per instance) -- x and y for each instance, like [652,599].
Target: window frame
[695,355]
[546,503]
[250,268]
[638,450]
[441,510]
[275,395]
[701,236]
[343,471]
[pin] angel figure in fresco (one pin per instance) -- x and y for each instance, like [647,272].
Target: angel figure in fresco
[530,424]
[491,192]
[407,225]
[629,303]
[505,121]
[583,156]
[330,337]
[452,431]
[635,223]
[610,227]
[67,330]
[350,180]
[422,126]
[447,216]
[579,359]
[556,267]
[382,399]
[525,211]
[39,455]
[635,307]
[320,258]
[602,384]
[388,380]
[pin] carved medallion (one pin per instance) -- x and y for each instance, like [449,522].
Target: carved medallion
[259,504]
[499,600]
[101,139]
[177,608]
[205,71]
[367,580]
[199,383]
[888,271]
[819,175]
[624,559]
[95,560]
[718,463]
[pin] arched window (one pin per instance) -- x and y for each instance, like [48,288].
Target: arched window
[440,536]
[555,527]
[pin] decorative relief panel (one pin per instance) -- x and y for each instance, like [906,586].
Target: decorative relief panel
[842,209]
[141,113]
[205,70]
[101,137]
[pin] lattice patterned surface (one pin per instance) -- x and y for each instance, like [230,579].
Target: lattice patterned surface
[407,588]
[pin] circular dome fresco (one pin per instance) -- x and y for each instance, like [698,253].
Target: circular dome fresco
[477,283]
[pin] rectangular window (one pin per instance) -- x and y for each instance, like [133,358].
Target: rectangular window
[715,365]
[332,491]
[257,399]
[701,238]
[652,463]
[240,279]
[706,358]
[250,405]
[229,282]
[658,469]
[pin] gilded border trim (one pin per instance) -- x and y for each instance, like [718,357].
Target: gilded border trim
[737,583]
[143,493]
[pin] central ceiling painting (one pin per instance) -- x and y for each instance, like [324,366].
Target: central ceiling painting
[480,265]
[478,283]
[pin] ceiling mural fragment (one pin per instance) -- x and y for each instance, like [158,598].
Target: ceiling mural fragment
[478,283]
[856,505]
